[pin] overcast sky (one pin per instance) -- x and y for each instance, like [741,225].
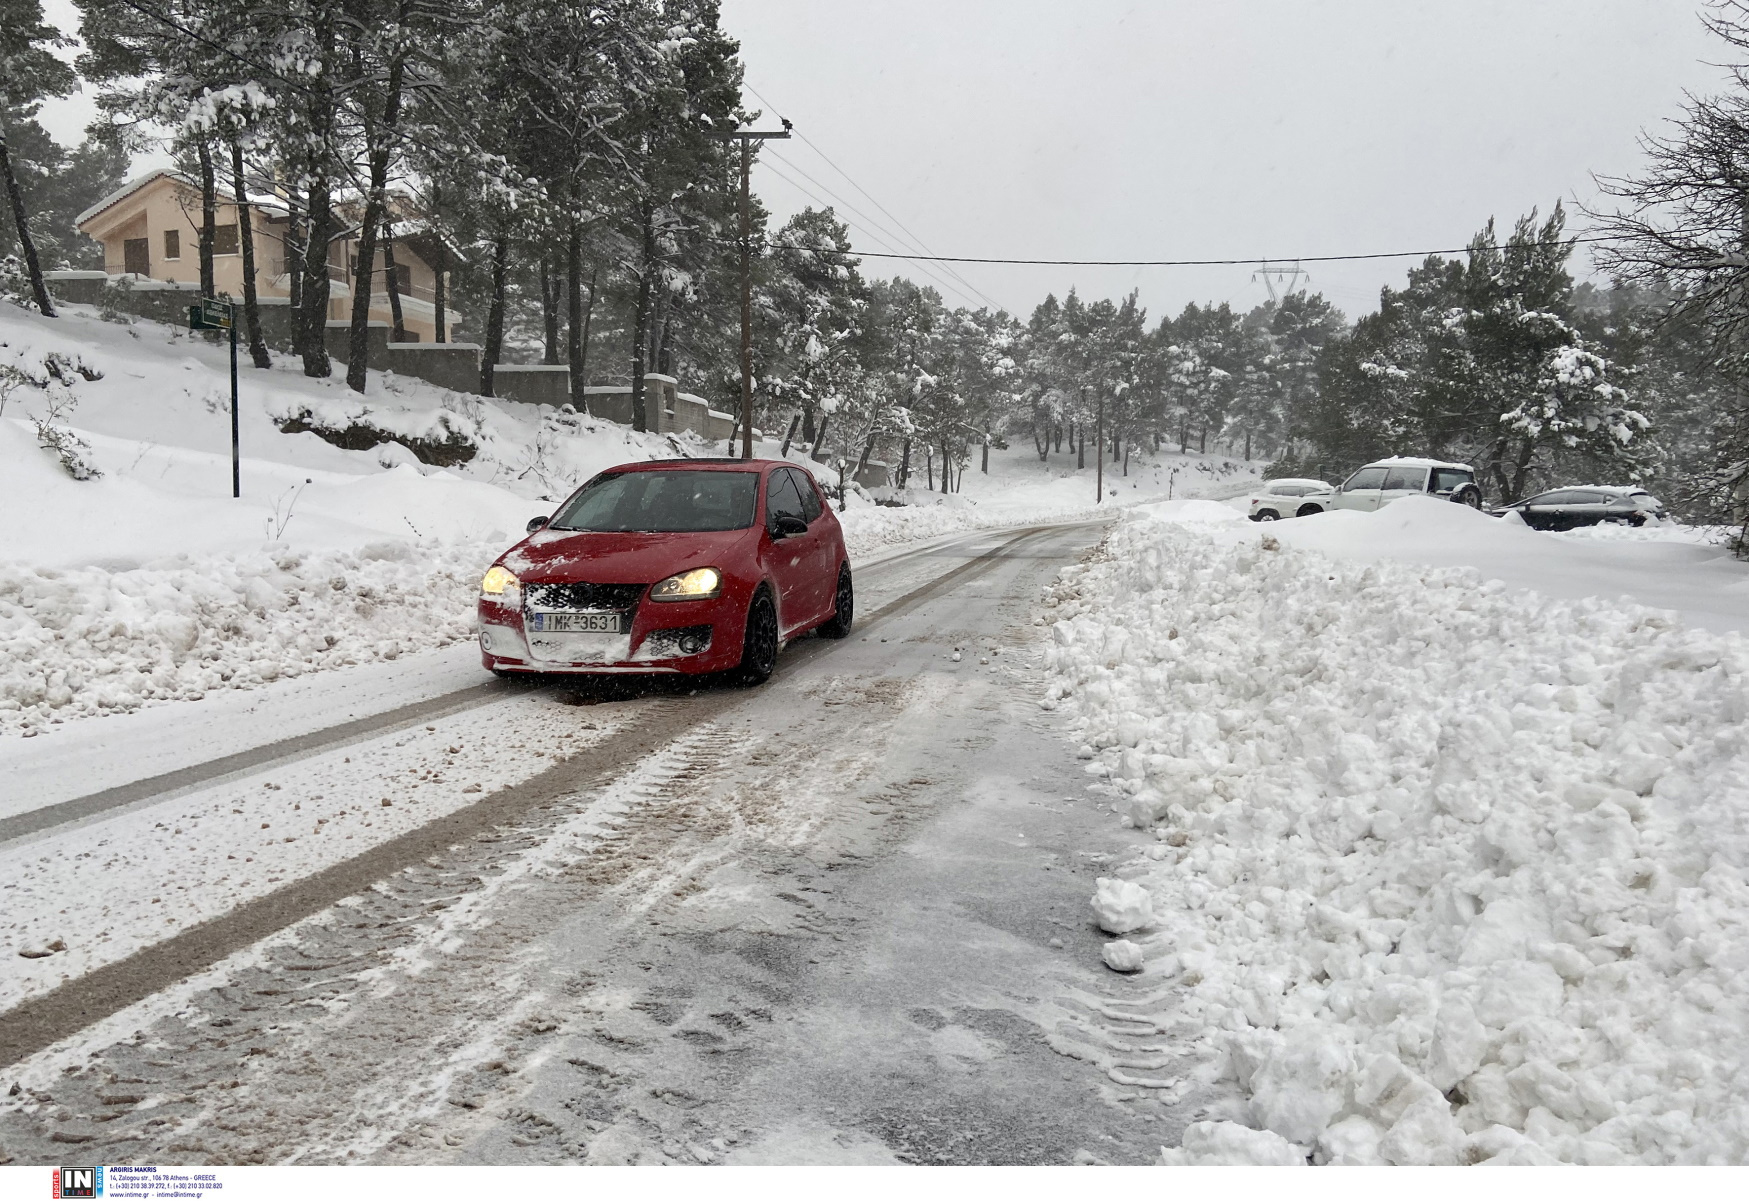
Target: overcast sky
[1207,129]
[1196,128]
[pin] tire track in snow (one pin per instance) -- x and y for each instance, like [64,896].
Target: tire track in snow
[51,1017]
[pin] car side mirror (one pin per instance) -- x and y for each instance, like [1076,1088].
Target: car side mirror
[538,523]
[786,526]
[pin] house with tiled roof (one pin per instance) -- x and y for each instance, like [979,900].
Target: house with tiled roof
[150,229]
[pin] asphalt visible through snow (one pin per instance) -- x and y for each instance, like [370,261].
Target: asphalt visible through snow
[841,918]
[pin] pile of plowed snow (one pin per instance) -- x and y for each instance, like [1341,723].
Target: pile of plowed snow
[83,641]
[1444,872]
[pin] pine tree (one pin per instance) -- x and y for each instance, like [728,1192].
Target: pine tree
[29,72]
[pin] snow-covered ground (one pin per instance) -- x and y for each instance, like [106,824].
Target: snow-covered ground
[150,583]
[1443,870]
[1668,566]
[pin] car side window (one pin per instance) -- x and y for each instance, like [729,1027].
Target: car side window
[781,498]
[810,498]
[1366,477]
[1447,480]
[1553,498]
[1411,479]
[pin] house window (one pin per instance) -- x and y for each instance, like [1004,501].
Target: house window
[225,239]
[172,243]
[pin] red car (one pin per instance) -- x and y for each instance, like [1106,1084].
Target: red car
[676,565]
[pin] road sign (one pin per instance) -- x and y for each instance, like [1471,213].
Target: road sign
[211,314]
[221,314]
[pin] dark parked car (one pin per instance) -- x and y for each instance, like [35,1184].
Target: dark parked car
[681,565]
[1588,504]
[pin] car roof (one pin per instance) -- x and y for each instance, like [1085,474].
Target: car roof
[1402,461]
[721,464]
[1614,489]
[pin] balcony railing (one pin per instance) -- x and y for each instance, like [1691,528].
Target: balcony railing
[379,287]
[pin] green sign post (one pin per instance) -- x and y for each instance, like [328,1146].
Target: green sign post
[222,314]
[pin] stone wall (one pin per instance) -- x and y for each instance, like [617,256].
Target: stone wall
[452,365]
[659,394]
[338,337]
[612,402]
[533,383]
[690,413]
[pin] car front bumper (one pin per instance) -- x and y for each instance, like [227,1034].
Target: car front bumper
[688,642]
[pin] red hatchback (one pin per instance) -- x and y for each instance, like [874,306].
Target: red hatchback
[677,565]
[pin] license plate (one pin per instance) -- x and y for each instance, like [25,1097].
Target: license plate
[576,623]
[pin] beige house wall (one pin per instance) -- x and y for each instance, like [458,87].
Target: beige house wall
[168,206]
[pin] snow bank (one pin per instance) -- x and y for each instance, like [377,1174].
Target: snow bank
[1667,566]
[1446,872]
[77,642]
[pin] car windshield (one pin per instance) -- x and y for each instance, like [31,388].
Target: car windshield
[662,502]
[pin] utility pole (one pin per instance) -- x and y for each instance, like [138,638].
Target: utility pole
[747,137]
[1099,452]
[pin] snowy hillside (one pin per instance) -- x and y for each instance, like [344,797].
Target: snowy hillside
[1444,871]
[149,582]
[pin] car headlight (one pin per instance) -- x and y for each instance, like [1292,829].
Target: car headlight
[701,583]
[497,581]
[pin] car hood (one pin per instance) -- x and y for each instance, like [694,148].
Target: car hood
[560,556]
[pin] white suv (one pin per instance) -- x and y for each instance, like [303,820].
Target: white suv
[1289,498]
[1378,484]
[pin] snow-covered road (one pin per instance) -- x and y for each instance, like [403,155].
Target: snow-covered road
[838,918]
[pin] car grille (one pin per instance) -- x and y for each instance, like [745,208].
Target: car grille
[583,596]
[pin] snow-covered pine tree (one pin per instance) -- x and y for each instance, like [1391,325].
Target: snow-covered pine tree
[813,306]
[29,72]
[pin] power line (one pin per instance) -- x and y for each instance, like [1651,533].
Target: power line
[934,275]
[1244,262]
[890,238]
[909,237]
[1256,260]
[873,232]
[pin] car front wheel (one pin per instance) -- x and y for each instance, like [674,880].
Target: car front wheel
[844,607]
[759,645]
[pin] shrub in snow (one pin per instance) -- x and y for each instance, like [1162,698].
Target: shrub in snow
[440,437]
[1122,955]
[1119,906]
[71,451]
[1454,873]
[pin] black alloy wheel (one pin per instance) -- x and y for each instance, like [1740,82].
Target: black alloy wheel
[759,646]
[844,610]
